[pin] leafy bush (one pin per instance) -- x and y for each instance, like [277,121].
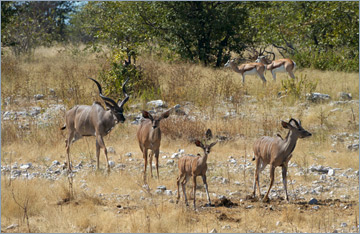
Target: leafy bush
[298,89]
[114,74]
[345,60]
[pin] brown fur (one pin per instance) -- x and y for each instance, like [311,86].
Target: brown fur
[276,152]
[193,166]
[149,138]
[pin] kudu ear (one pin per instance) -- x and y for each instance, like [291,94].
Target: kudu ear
[208,134]
[199,144]
[165,114]
[285,124]
[147,115]
[212,144]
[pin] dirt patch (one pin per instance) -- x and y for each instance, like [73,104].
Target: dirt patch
[224,217]
[225,202]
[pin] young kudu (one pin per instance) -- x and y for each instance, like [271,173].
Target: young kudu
[149,137]
[193,166]
[248,69]
[94,120]
[280,65]
[276,152]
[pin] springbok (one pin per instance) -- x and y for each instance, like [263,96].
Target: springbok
[248,69]
[149,137]
[277,152]
[194,166]
[94,120]
[280,65]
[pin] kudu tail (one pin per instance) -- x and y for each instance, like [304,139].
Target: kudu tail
[253,158]
[63,127]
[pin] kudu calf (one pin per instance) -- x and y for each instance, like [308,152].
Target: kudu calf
[149,138]
[276,152]
[94,120]
[193,166]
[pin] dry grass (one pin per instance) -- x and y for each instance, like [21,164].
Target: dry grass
[95,208]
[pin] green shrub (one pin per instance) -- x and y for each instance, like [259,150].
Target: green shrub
[344,60]
[114,74]
[297,88]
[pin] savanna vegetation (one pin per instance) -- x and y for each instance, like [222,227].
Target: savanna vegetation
[175,51]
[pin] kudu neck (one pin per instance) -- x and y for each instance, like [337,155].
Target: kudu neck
[290,141]
[155,133]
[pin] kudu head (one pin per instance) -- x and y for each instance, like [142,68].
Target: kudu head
[295,127]
[155,120]
[206,147]
[115,108]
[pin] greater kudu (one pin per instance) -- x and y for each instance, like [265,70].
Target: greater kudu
[149,138]
[193,166]
[94,120]
[277,152]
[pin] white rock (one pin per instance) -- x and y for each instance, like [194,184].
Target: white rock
[168,192]
[235,193]
[331,172]
[278,223]
[161,187]
[157,103]
[343,224]
[175,155]
[111,164]
[111,150]
[128,154]
[170,162]
[12,226]
[39,96]
[213,231]
[25,166]
[226,227]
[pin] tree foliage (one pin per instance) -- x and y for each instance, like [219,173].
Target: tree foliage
[26,25]
[322,34]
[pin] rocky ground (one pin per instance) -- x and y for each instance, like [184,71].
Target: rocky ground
[323,188]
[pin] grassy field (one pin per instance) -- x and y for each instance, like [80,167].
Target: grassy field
[117,202]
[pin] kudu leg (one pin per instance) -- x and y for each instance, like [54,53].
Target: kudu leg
[272,174]
[97,154]
[206,189]
[101,143]
[183,183]
[256,177]
[178,187]
[194,189]
[150,162]
[157,163]
[68,143]
[284,172]
[145,155]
